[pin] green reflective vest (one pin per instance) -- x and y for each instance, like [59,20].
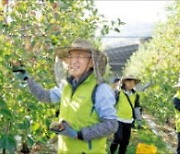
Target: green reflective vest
[76,110]
[123,107]
[177,114]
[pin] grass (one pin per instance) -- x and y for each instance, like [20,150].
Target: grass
[146,136]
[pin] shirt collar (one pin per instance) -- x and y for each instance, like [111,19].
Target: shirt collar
[75,83]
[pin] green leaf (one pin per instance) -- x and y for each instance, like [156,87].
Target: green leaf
[2,104]
[32,106]
[35,126]
[117,30]
[30,140]
[120,22]
[6,113]
[25,124]
[7,142]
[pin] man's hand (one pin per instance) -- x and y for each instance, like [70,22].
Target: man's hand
[63,128]
[20,72]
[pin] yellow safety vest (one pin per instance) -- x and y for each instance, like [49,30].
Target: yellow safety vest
[123,107]
[76,110]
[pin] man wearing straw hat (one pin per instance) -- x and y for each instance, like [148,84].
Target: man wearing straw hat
[87,113]
[127,109]
[176,101]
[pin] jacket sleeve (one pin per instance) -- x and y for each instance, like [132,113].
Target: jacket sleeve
[104,105]
[137,100]
[176,102]
[43,95]
[104,128]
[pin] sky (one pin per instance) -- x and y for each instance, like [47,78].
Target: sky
[140,17]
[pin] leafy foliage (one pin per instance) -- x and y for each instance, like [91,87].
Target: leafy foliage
[159,61]
[29,33]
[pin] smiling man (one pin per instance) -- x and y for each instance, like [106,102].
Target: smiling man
[87,113]
[83,129]
[79,63]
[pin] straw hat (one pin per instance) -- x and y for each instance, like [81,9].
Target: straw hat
[61,53]
[178,84]
[99,59]
[78,44]
[130,77]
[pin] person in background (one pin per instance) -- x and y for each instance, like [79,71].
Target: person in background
[116,85]
[84,121]
[127,107]
[176,102]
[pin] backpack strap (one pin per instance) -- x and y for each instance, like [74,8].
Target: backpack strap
[130,104]
[93,98]
[117,95]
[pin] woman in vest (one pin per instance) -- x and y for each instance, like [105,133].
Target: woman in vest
[87,113]
[176,101]
[128,100]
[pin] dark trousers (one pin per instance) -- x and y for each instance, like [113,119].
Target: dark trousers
[178,145]
[121,138]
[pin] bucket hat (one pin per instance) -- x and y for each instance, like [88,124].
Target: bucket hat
[130,77]
[79,44]
[99,59]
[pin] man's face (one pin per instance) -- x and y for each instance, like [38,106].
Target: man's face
[129,84]
[79,63]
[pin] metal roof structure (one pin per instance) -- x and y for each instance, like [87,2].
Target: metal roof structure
[118,56]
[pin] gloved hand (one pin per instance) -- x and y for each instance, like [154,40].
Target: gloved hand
[138,124]
[20,72]
[63,128]
[137,112]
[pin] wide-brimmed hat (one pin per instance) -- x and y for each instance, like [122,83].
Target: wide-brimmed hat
[178,84]
[79,44]
[61,53]
[130,77]
[99,59]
